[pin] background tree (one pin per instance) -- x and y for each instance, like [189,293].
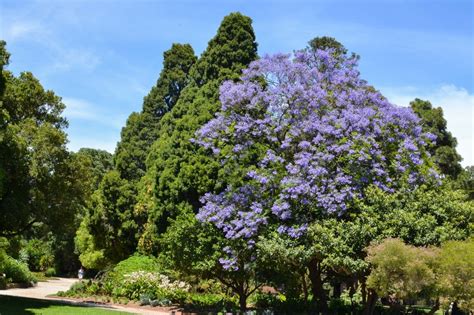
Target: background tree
[109,229]
[444,150]
[457,273]
[4,59]
[325,43]
[43,184]
[465,181]
[34,156]
[401,272]
[100,162]
[142,129]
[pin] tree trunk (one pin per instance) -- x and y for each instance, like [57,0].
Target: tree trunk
[369,306]
[305,285]
[434,308]
[242,297]
[337,290]
[363,290]
[243,302]
[317,286]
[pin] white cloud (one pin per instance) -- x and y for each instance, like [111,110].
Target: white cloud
[22,29]
[458,107]
[81,110]
[78,142]
[62,57]
[79,58]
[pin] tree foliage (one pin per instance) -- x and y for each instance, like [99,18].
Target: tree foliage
[109,229]
[325,43]
[107,234]
[456,269]
[444,149]
[179,171]
[100,162]
[43,178]
[401,271]
[141,129]
[42,184]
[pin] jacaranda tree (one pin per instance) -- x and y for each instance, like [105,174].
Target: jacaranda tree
[301,138]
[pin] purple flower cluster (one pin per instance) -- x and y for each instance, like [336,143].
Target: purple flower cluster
[318,135]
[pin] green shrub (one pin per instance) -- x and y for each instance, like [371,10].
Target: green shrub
[77,289]
[50,272]
[282,304]
[210,301]
[39,255]
[145,299]
[132,264]
[16,271]
[138,283]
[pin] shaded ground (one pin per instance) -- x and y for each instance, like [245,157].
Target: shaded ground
[28,306]
[38,300]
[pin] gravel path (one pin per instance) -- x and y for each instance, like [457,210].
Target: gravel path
[44,289]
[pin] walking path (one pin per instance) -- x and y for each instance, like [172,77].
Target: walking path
[44,289]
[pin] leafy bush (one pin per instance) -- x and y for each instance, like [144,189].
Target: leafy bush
[38,254]
[77,289]
[145,299]
[345,303]
[210,301]
[132,264]
[142,282]
[456,273]
[50,272]
[401,271]
[16,271]
[281,304]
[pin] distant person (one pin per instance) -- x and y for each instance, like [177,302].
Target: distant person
[80,274]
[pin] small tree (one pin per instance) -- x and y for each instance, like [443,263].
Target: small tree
[401,271]
[457,273]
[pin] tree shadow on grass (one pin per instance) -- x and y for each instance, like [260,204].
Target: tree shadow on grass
[12,305]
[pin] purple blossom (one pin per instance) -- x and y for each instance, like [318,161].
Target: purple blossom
[310,140]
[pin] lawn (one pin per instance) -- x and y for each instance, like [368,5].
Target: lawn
[22,306]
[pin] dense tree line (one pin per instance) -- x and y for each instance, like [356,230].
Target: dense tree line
[43,185]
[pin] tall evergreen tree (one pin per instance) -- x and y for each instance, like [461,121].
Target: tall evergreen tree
[141,129]
[444,151]
[179,171]
[107,233]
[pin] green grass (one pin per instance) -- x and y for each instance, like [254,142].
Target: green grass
[10,305]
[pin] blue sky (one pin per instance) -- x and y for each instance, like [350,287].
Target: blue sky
[103,56]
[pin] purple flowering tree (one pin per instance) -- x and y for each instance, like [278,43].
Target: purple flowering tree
[302,137]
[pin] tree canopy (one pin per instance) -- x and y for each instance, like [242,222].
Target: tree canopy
[443,149]
[179,171]
[109,228]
